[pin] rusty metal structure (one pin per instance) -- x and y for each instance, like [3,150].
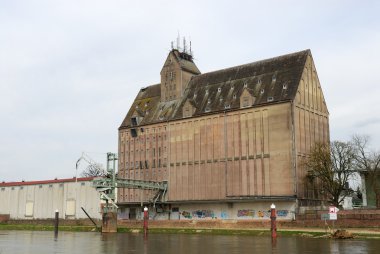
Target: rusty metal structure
[107,186]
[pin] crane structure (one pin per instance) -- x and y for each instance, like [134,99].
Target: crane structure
[106,185]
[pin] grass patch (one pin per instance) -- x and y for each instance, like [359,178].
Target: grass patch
[366,236]
[45,227]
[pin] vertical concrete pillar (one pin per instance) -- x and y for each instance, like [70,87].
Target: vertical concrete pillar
[109,222]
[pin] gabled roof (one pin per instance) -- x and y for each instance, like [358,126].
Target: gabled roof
[220,90]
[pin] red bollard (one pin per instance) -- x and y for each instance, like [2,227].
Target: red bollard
[273,226]
[146,218]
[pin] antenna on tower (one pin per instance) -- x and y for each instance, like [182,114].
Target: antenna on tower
[184,45]
[172,42]
[178,41]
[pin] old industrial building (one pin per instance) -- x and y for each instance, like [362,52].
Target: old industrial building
[229,142]
[29,200]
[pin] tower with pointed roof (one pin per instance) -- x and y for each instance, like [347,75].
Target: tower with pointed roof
[176,74]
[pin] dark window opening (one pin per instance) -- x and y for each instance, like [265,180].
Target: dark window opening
[134,121]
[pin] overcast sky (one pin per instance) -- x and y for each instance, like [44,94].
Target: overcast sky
[70,69]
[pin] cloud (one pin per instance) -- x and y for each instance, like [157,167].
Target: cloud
[69,70]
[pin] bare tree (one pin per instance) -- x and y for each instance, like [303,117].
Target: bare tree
[93,170]
[332,165]
[367,162]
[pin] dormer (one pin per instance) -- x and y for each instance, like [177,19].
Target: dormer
[176,74]
[188,109]
[246,99]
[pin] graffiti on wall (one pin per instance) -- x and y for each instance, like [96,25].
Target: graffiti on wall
[242,213]
[282,213]
[186,214]
[246,213]
[198,214]
[203,214]
[261,213]
[224,215]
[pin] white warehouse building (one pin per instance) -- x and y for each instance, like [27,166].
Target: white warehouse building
[40,199]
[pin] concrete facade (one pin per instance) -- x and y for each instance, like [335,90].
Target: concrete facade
[40,199]
[232,140]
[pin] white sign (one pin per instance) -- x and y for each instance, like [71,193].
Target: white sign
[329,216]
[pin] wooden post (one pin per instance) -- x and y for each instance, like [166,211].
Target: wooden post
[56,222]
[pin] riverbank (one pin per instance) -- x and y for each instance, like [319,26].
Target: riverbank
[302,232]
[257,231]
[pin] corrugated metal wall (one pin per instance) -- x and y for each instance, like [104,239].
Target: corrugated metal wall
[40,201]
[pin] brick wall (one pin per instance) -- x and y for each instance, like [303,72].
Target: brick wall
[346,218]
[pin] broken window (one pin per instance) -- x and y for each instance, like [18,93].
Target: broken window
[133,133]
[134,121]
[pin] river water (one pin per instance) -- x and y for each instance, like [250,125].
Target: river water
[39,242]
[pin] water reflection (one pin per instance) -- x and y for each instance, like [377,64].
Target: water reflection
[94,243]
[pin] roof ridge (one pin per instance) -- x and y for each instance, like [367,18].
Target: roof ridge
[56,180]
[147,87]
[255,62]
